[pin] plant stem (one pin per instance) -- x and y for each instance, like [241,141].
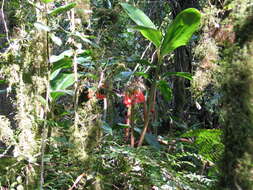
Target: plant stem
[151,103]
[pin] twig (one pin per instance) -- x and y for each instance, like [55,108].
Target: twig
[5,152]
[4,22]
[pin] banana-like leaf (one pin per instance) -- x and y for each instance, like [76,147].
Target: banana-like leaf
[181,30]
[144,24]
[139,17]
[153,35]
[62,9]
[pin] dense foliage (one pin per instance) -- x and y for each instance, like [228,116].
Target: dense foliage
[87,95]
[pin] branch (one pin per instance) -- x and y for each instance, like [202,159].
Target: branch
[4,22]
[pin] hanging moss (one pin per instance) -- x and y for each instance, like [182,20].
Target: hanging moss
[236,79]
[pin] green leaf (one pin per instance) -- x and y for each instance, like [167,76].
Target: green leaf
[62,81]
[58,93]
[3,81]
[41,26]
[123,125]
[153,35]
[62,9]
[144,24]
[180,74]
[139,17]
[47,1]
[55,73]
[165,90]
[181,30]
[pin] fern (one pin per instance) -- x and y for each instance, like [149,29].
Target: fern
[208,142]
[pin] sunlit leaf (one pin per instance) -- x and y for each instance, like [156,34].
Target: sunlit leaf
[55,73]
[62,9]
[56,40]
[181,30]
[144,24]
[153,35]
[139,17]
[56,58]
[47,1]
[62,81]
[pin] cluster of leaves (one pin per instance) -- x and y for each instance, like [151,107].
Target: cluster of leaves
[123,167]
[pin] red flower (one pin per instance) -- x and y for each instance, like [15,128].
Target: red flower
[100,96]
[136,97]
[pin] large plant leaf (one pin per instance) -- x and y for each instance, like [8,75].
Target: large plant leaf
[181,30]
[139,17]
[62,81]
[144,24]
[153,35]
[62,9]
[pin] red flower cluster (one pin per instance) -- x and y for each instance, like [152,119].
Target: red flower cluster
[136,97]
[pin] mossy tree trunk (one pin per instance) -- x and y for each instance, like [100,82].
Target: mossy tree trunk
[236,79]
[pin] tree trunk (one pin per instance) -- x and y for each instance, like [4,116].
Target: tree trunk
[182,61]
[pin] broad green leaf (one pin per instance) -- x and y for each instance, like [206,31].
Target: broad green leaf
[153,35]
[144,24]
[47,1]
[181,30]
[55,73]
[58,93]
[56,58]
[180,74]
[62,9]
[165,90]
[139,17]
[64,63]
[62,81]
[41,26]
